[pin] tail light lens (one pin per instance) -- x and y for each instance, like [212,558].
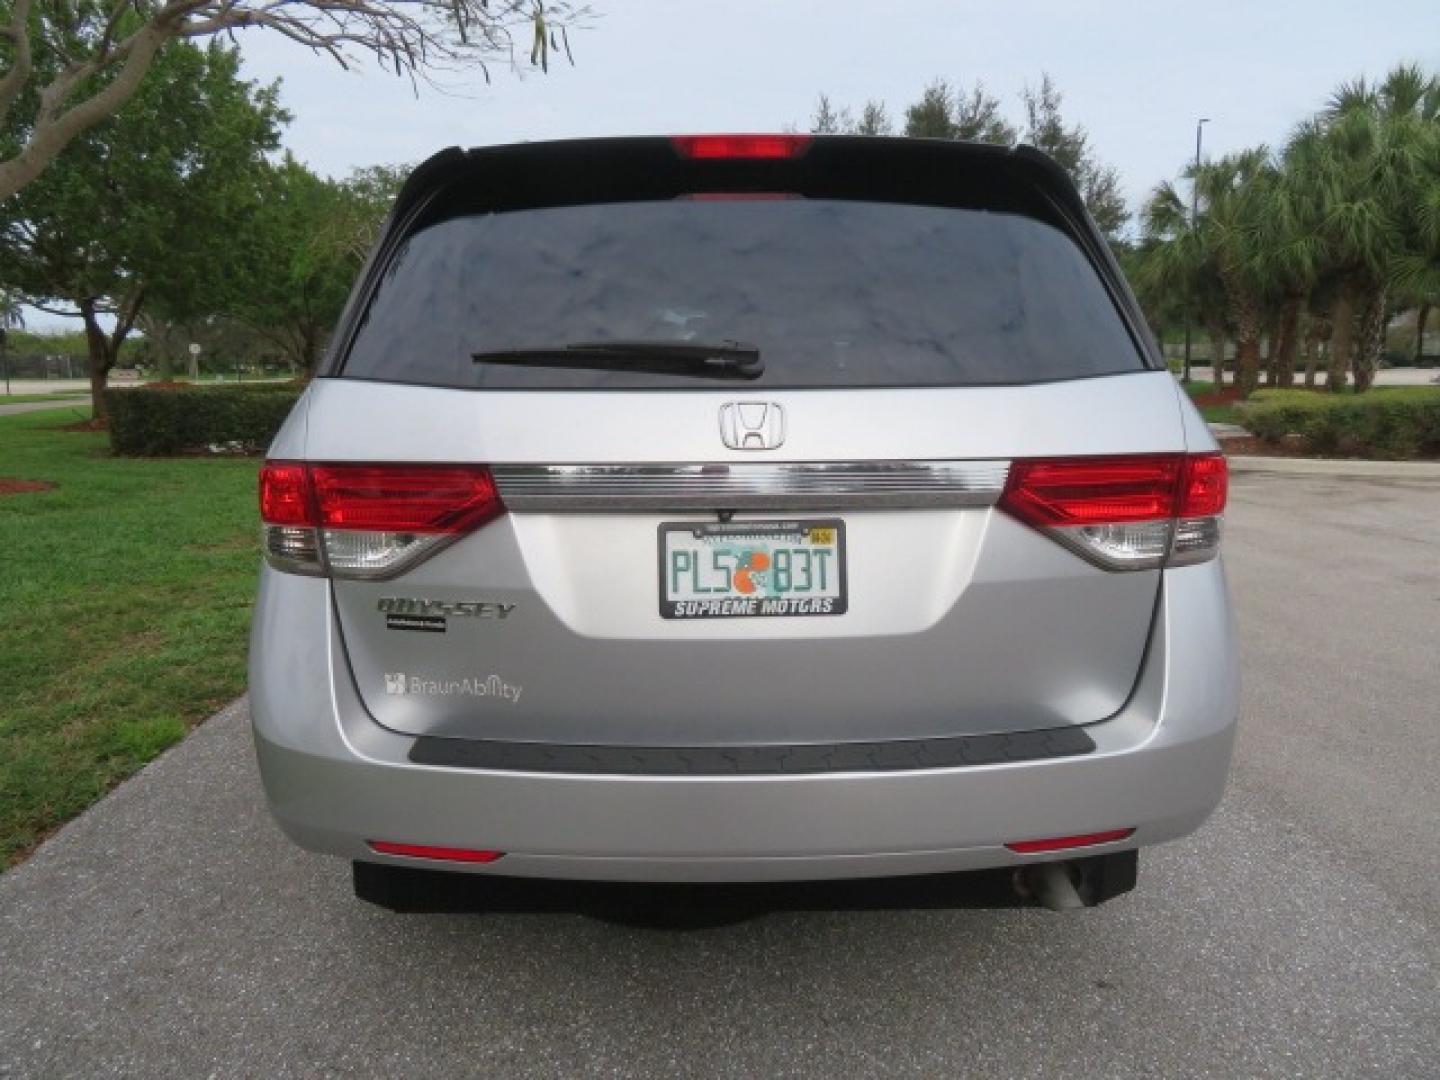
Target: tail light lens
[1133,512]
[369,521]
[289,537]
[1203,491]
[740,147]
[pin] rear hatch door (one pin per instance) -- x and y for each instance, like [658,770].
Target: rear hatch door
[925,315]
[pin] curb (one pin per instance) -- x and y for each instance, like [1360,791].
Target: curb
[1359,469]
[1224,431]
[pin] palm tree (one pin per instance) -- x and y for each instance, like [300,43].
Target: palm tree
[1370,161]
[1238,191]
[1174,267]
[1319,328]
[1288,256]
[1415,270]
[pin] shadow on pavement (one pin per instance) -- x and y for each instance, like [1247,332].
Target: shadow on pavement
[697,906]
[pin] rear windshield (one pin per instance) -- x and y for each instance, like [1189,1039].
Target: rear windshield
[835,293]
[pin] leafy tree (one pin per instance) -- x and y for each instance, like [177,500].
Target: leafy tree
[1069,144]
[11,314]
[228,346]
[976,115]
[828,120]
[65,67]
[945,113]
[874,120]
[28,342]
[148,210]
[307,245]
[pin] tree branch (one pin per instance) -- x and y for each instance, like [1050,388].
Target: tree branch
[48,310]
[125,317]
[51,135]
[412,37]
[18,33]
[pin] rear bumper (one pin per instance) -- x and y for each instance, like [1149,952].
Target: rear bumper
[335,779]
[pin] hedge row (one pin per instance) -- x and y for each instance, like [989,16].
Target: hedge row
[1383,423]
[152,422]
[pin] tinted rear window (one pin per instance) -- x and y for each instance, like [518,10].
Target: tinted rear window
[835,293]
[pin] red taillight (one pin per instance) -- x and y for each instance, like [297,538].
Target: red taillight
[1205,485]
[285,494]
[405,498]
[1065,843]
[1131,512]
[1093,491]
[369,521]
[721,147]
[425,851]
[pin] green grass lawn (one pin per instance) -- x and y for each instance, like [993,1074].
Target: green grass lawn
[124,605]
[1214,414]
[1218,414]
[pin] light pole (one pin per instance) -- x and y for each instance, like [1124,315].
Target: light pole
[1194,210]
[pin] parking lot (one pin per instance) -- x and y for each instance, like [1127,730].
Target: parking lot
[173,931]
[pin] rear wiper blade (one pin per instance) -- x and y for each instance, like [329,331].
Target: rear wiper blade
[706,359]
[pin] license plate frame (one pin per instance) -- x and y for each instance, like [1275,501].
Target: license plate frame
[766,602]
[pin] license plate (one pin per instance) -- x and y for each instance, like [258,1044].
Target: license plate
[745,569]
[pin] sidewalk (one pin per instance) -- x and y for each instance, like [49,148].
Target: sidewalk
[47,386]
[73,404]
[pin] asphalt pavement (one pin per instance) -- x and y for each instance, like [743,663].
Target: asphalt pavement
[171,931]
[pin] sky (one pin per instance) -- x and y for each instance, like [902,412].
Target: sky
[1136,74]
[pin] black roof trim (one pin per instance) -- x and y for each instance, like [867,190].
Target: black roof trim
[454,161]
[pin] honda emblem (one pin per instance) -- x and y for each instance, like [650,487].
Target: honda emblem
[752,425]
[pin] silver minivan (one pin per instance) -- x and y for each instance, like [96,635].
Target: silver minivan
[742,508]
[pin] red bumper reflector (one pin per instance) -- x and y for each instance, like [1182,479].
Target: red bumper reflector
[1065,843]
[424,851]
[730,147]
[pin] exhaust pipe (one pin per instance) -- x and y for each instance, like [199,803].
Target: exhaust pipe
[1071,884]
[1049,884]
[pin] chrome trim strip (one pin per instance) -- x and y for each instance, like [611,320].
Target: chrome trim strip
[768,486]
